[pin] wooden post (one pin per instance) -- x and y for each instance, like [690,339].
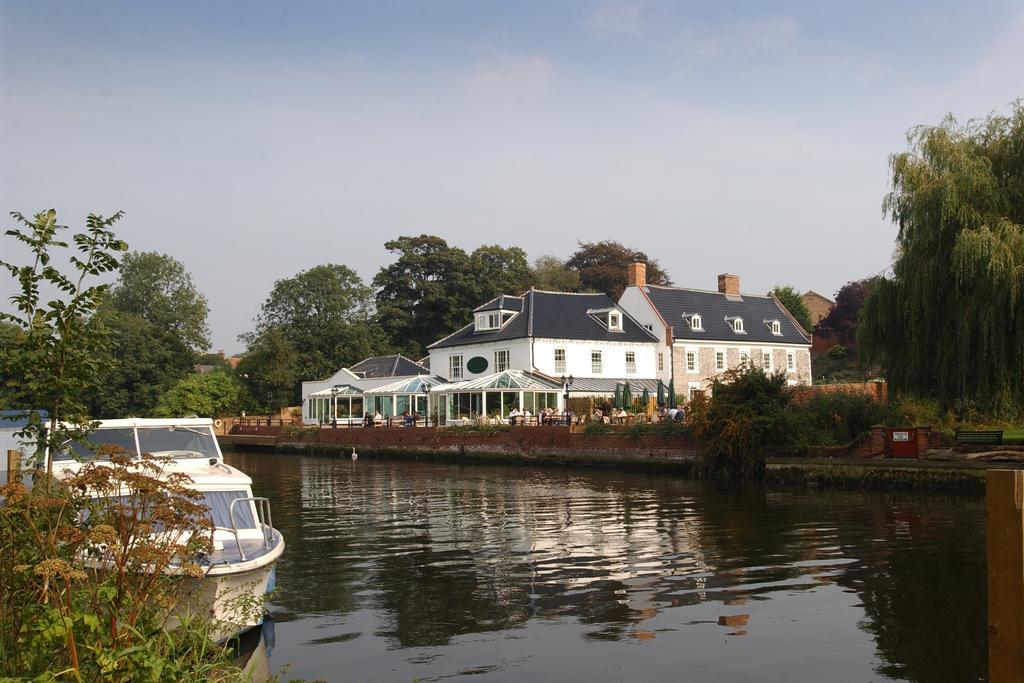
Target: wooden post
[1004,495]
[13,465]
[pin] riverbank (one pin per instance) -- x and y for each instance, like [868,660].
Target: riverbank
[558,447]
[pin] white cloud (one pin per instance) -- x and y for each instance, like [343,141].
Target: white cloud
[623,19]
[513,73]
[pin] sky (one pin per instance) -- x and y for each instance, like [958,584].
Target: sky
[253,140]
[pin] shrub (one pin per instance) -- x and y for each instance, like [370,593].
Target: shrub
[86,588]
[833,419]
[745,417]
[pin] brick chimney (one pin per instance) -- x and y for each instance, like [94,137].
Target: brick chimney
[636,274]
[729,284]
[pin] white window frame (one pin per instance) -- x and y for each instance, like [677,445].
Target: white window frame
[696,323]
[790,361]
[661,361]
[630,364]
[691,360]
[737,325]
[692,387]
[560,364]
[455,367]
[745,357]
[766,361]
[615,321]
[722,356]
[488,320]
[776,328]
[498,365]
[596,362]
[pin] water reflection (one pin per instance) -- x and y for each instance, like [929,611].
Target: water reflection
[399,570]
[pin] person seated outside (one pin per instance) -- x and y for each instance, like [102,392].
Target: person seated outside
[368,420]
[672,412]
[407,419]
[526,416]
[597,415]
[680,415]
[377,419]
[513,416]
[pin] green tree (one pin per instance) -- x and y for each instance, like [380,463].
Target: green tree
[497,270]
[208,394]
[268,372]
[159,289]
[550,274]
[602,267]
[427,293]
[947,323]
[62,349]
[794,303]
[325,314]
[146,362]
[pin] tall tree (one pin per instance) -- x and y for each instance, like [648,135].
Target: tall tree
[498,270]
[427,293]
[602,267]
[267,371]
[794,303]
[158,288]
[145,363]
[844,317]
[948,321]
[325,314]
[550,274]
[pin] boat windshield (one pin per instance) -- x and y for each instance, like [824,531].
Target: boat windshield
[88,447]
[173,440]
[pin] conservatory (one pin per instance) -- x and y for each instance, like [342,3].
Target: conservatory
[409,395]
[340,402]
[493,396]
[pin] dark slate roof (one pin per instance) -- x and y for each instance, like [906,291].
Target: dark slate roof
[715,307]
[554,315]
[503,302]
[388,366]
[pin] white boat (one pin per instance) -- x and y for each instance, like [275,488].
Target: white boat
[239,571]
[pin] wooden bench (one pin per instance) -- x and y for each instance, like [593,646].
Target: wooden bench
[979,436]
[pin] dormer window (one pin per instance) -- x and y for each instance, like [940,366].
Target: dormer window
[736,323]
[492,320]
[775,326]
[696,324]
[609,317]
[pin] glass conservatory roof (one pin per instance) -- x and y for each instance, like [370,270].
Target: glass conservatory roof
[408,386]
[509,379]
[343,390]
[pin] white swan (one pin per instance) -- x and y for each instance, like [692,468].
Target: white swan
[355,456]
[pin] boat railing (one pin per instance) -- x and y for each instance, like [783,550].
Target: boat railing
[264,519]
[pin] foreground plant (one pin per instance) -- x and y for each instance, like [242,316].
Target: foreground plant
[94,577]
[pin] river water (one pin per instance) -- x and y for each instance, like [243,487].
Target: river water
[397,571]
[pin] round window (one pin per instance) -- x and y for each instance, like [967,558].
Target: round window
[476,364]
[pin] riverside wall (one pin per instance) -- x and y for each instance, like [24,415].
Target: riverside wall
[855,466]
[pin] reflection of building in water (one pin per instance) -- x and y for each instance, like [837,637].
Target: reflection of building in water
[501,548]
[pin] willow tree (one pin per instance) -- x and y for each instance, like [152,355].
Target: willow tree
[948,323]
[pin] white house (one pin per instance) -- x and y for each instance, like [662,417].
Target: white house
[547,336]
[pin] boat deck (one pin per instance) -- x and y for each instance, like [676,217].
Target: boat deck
[253,548]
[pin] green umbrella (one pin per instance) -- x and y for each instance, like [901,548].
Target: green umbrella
[627,397]
[617,401]
[645,400]
[661,393]
[672,393]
